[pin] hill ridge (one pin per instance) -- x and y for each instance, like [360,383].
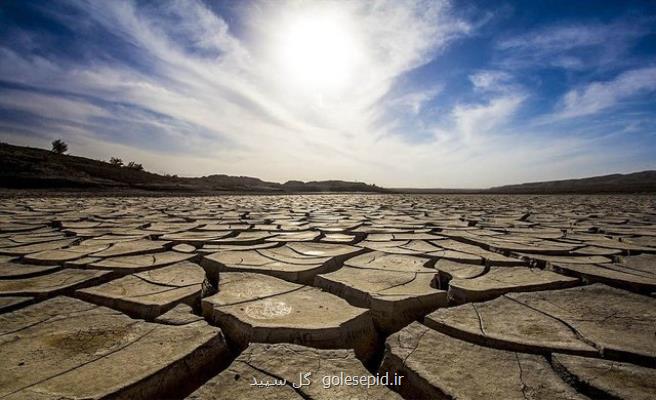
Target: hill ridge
[32,168]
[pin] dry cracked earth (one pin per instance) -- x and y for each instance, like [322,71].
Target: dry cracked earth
[465,297]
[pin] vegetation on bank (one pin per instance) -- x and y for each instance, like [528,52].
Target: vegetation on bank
[27,167]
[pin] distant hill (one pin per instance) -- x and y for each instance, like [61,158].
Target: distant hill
[636,182]
[31,168]
[330,186]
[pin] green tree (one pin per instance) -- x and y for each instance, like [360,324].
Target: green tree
[115,161]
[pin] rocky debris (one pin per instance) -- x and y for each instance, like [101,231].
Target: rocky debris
[296,262]
[260,308]
[59,282]
[148,294]
[438,366]
[142,262]
[293,372]
[594,320]
[73,349]
[397,288]
[607,379]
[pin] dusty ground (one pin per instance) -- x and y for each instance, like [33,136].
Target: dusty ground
[298,297]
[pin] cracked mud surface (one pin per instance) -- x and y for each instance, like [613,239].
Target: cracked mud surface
[468,297]
[290,362]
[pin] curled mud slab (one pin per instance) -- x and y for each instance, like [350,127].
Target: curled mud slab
[607,379]
[293,372]
[55,283]
[397,288]
[9,270]
[499,280]
[129,264]
[594,320]
[26,249]
[149,294]
[74,349]
[11,303]
[296,262]
[617,275]
[437,366]
[259,308]
[133,247]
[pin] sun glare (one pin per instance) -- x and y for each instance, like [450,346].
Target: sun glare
[318,51]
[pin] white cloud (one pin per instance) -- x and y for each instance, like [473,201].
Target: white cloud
[598,96]
[574,46]
[474,120]
[558,38]
[51,106]
[491,80]
[415,101]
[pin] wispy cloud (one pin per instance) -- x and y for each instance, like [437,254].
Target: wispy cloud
[598,96]
[415,101]
[481,119]
[574,46]
[491,81]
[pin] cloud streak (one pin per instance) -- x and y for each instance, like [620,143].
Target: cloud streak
[598,96]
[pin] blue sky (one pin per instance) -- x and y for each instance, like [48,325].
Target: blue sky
[397,93]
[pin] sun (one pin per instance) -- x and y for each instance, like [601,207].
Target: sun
[318,50]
